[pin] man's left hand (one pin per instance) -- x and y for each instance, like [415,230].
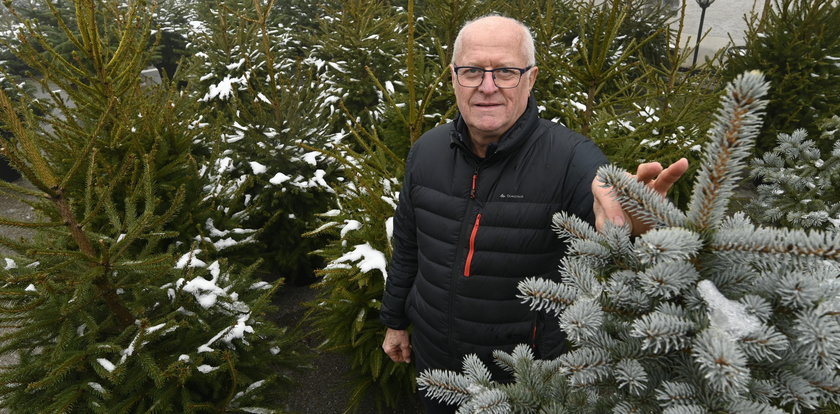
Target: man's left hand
[607,208]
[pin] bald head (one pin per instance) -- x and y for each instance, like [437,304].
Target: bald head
[492,26]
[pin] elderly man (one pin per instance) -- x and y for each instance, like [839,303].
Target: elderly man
[475,210]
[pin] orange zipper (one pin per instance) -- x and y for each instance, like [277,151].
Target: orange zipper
[472,246]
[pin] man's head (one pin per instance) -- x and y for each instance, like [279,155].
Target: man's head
[493,42]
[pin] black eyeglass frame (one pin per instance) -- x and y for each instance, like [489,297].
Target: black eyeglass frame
[493,74]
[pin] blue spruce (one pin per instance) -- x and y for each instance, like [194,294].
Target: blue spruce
[707,312]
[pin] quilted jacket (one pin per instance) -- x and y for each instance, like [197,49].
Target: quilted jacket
[468,229]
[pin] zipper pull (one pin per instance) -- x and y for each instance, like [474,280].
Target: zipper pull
[472,189]
[468,262]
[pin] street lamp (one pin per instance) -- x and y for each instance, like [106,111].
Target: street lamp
[703,5]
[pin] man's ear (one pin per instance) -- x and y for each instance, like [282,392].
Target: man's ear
[532,77]
[452,74]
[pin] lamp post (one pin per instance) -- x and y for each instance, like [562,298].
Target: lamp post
[703,5]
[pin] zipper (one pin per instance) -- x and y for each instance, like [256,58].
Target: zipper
[472,189]
[472,246]
[473,194]
[475,226]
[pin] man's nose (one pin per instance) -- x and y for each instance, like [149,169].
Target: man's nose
[488,85]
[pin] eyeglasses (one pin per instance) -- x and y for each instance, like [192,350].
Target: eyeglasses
[504,78]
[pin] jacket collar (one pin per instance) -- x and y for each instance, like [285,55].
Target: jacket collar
[511,140]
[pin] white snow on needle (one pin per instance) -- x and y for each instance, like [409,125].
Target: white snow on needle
[10,264]
[367,257]
[257,167]
[108,365]
[279,178]
[190,260]
[727,315]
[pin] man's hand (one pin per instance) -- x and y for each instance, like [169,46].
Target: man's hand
[397,346]
[653,175]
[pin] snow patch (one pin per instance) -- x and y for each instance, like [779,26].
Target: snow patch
[230,333]
[204,369]
[108,365]
[279,178]
[10,264]
[367,257]
[257,167]
[727,315]
[349,226]
[311,157]
[206,292]
[261,285]
[190,260]
[223,90]
[155,328]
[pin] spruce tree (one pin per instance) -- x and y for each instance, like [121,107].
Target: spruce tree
[796,43]
[346,310]
[355,36]
[265,187]
[112,305]
[798,182]
[705,313]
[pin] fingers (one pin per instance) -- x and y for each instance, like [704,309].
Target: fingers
[397,345]
[661,179]
[405,351]
[666,179]
[648,171]
[606,207]
[652,174]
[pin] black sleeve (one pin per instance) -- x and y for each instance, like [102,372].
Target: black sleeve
[586,160]
[403,266]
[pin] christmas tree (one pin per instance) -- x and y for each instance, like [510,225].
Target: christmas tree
[109,307]
[708,312]
[799,182]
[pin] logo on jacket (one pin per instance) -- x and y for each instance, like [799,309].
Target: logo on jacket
[503,195]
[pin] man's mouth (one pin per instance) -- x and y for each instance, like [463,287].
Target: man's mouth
[487,105]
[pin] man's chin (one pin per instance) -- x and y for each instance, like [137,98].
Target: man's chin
[487,132]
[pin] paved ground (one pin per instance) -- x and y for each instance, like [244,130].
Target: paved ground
[324,389]
[723,19]
[16,210]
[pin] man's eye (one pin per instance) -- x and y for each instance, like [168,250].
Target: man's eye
[472,71]
[505,72]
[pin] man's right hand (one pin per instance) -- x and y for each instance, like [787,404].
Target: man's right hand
[397,346]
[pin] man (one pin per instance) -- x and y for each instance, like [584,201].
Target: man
[475,210]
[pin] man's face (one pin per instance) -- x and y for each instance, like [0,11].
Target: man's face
[487,110]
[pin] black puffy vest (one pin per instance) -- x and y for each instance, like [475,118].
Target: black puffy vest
[467,230]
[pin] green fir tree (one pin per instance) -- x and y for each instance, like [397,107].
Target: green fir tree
[264,186]
[109,307]
[796,44]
